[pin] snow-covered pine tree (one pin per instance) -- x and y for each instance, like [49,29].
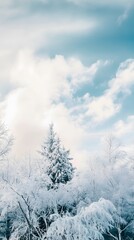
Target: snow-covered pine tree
[57,159]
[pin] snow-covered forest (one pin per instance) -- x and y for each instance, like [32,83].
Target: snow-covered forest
[47,198]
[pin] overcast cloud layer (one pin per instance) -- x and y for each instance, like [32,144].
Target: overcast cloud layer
[71,63]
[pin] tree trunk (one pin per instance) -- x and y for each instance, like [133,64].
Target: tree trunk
[119,234]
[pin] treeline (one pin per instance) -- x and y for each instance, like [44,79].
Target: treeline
[46,198]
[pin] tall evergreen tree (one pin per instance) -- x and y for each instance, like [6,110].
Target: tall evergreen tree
[59,167]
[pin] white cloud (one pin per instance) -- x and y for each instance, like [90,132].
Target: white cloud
[123,16]
[124,79]
[38,85]
[103,107]
[82,74]
[122,128]
[34,31]
[104,2]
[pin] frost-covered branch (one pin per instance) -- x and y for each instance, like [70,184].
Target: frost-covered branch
[6,142]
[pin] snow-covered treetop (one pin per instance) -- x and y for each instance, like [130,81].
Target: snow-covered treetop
[57,159]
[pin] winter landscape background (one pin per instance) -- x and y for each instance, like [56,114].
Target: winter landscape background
[66,119]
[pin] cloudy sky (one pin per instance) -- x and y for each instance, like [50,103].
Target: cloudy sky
[70,62]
